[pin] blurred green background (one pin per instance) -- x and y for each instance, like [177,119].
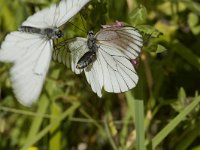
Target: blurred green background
[163,110]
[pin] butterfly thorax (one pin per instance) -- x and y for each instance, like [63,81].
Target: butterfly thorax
[50,33]
[91,42]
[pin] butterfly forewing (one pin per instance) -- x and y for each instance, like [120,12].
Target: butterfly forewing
[18,44]
[56,15]
[128,38]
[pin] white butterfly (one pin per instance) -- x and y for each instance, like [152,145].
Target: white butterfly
[30,48]
[104,57]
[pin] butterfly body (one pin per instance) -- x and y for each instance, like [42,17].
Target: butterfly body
[50,33]
[89,56]
[86,59]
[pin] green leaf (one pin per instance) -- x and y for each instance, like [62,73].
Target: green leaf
[179,105]
[165,28]
[193,6]
[196,30]
[150,30]
[193,19]
[138,15]
[160,48]
[181,95]
[168,7]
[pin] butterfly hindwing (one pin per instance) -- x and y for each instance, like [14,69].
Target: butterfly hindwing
[128,38]
[75,48]
[26,82]
[115,72]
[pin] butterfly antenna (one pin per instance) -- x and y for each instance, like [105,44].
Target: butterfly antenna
[147,37]
[77,27]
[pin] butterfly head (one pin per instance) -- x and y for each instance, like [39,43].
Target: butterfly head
[53,33]
[91,34]
[59,33]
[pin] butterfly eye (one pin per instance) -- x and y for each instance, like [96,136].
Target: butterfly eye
[91,33]
[59,34]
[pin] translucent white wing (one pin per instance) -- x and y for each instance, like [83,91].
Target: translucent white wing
[56,15]
[94,77]
[28,73]
[74,48]
[112,70]
[17,44]
[127,38]
[31,55]
[61,53]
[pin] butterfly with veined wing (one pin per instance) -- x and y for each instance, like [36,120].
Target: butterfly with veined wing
[105,57]
[30,48]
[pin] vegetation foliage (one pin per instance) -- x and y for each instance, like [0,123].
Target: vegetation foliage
[162,112]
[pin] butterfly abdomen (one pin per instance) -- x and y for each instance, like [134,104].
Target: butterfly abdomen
[29,29]
[50,33]
[89,56]
[86,59]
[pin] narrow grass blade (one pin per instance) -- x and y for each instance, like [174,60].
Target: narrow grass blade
[109,134]
[186,54]
[188,138]
[101,129]
[169,127]
[137,109]
[55,133]
[36,123]
[124,131]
